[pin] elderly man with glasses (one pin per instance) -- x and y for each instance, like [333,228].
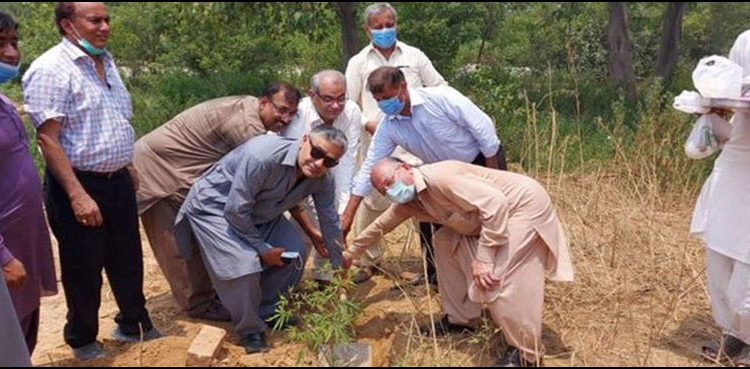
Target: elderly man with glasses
[251,251]
[327,104]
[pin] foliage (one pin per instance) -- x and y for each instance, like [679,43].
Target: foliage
[327,317]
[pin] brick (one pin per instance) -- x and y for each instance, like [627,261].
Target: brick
[205,346]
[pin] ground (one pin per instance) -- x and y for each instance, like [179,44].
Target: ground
[639,297]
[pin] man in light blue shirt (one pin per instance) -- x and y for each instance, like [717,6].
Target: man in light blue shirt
[433,123]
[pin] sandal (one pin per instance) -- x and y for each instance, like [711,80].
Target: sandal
[721,351]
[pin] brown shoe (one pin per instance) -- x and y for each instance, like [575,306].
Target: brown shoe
[363,274]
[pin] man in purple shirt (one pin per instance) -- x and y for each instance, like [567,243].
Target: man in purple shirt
[25,253]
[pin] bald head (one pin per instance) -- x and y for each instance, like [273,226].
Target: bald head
[384,172]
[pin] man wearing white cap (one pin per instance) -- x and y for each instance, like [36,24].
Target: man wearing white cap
[719,219]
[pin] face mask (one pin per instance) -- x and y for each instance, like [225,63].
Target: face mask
[400,193]
[8,72]
[384,38]
[91,49]
[391,106]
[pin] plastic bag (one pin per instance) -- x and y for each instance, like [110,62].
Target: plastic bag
[691,102]
[703,141]
[718,77]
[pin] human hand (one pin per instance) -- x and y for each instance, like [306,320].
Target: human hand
[272,257]
[483,275]
[86,210]
[15,274]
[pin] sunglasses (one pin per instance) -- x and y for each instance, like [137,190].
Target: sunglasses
[318,153]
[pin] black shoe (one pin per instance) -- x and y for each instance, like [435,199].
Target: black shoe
[215,312]
[513,359]
[724,350]
[254,343]
[292,321]
[444,327]
[418,280]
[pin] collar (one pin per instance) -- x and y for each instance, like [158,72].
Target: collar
[419,181]
[416,100]
[371,49]
[290,159]
[75,53]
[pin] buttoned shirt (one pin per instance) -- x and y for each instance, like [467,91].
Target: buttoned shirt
[172,157]
[444,125]
[417,68]
[251,186]
[481,202]
[63,85]
[349,122]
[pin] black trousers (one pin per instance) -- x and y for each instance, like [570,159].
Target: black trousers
[427,229]
[85,251]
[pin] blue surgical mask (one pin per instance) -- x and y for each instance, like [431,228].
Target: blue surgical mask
[391,106]
[8,72]
[384,38]
[400,193]
[86,45]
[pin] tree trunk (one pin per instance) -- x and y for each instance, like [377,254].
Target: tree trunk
[669,49]
[621,73]
[349,30]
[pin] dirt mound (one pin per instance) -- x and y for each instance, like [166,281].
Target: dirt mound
[639,298]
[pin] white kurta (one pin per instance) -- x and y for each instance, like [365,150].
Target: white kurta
[723,207]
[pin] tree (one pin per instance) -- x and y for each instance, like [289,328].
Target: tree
[669,49]
[349,31]
[620,66]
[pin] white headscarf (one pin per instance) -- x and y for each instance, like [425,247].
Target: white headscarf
[740,52]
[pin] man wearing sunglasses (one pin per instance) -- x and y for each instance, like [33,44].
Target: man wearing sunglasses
[172,157]
[499,239]
[251,251]
[327,104]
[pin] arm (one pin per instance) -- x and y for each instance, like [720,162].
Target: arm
[344,173]
[325,205]
[84,207]
[479,124]
[13,270]
[382,146]
[386,222]
[300,215]
[354,80]
[427,72]
[470,193]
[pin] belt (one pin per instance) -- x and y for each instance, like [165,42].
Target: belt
[106,175]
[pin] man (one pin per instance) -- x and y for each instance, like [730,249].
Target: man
[236,212]
[380,24]
[435,124]
[326,104]
[172,157]
[82,111]
[500,237]
[27,260]
[719,220]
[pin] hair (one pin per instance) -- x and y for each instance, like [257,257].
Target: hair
[63,11]
[7,22]
[328,73]
[376,9]
[384,77]
[330,134]
[291,93]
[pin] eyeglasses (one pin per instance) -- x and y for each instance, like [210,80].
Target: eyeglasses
[328,100]
[318,153]
[283,111]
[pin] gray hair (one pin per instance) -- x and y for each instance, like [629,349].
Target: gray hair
[328,73]
[330,134]
[376,9]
